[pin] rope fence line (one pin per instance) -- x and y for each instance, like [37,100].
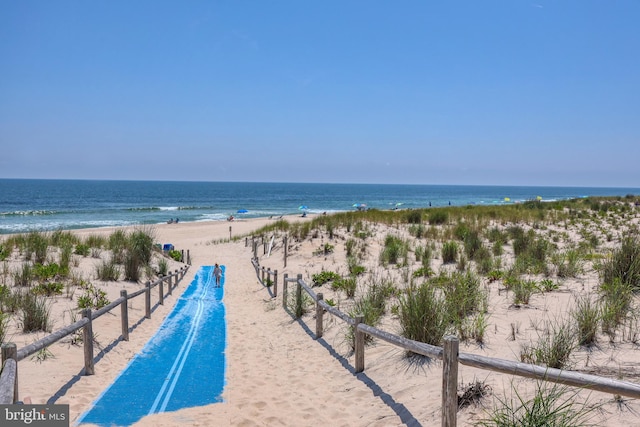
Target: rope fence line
[11,355]
[449,353]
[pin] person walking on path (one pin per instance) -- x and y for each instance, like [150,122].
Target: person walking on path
[217,273]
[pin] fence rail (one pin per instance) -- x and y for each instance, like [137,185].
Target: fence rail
[11,355]
[449,354]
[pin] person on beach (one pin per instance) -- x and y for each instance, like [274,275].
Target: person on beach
[217,273]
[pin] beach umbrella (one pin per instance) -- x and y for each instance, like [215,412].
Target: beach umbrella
[303,207]
[242,211]
[538,198]
[506,199]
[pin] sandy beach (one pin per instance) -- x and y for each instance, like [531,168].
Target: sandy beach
[278,374]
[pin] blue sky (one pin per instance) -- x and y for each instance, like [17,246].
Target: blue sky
[456,92]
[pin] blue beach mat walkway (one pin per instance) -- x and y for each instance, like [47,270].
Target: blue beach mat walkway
[183,364]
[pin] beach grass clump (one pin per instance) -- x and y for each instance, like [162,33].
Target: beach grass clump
[616,302]
[423,254]
[10,299]
[163,267]
[423,314]
[438,217]
[554,347]
[586,315]
[569,263]
[449,252]
[37,244]
[463,293]
[108,271]
[354,268]
[551,405]
[395,251]
[484,260]
[523,290]
[4,325]
[472,244]
[624,263]
[97,241]
[138,252]
[82,249]
[348,285]
[24,275]
[35,313]
[117,244]
[372,306]
[60,238]
[414,216]
[417,230]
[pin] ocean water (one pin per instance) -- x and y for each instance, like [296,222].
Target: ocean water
[45,205]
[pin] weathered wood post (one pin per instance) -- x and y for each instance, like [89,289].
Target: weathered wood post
[230,233]
[450,381]
[170,281]
[284,290]
[124,315]
[87,338]
[10,351]
[268,276]
[264,246]
[182,255]
[262,275]
[285,250]
[275,283]
[161,291]
[359,345]
[255,249]
[319,316]
[147,300]
[299,297]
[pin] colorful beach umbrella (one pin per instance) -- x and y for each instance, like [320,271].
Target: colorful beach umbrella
[303,207]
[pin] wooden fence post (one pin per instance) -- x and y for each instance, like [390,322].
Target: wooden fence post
[262,277]
[171,276]
[268,275]
[87,338]
[285,250]
[161,291]
[450,381]
[359,345]
[299,297]
[284,290]
[124,314]
[275,283]
[319,316]
[229,232]
[10,351]
[147,300]
[255,249]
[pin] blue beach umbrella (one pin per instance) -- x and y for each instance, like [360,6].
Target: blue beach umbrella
[242,211]
[303,207]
